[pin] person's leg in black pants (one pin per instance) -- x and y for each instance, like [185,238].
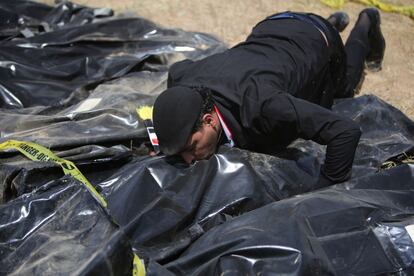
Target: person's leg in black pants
[365,45]
[357,48]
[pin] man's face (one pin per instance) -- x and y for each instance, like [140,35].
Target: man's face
[203,143]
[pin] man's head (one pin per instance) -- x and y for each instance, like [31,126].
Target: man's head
[186,124]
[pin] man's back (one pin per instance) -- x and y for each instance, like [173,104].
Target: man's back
[288,57]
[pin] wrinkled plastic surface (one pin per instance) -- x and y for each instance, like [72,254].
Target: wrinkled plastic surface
[60,229]
[238,213]
[235,213]
[80,84]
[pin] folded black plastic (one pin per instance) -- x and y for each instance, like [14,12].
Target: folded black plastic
[74,87]
[81,83]
[19,176]
[183,203]
[61,229]
[25,19]
[353,229]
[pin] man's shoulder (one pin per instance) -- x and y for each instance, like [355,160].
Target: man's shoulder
[177,71]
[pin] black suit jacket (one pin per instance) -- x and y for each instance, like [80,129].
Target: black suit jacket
[278,86]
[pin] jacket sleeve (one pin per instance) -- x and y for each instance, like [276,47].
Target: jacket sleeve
[313,122]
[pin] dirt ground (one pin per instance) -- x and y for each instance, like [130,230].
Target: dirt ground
[232,20]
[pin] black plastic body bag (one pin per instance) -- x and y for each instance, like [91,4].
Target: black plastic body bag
[71,78]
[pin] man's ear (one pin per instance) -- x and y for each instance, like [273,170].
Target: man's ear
[208,119]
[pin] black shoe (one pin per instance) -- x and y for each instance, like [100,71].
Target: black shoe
[376,40]
[339,20]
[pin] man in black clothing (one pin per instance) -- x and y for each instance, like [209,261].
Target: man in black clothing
[275,87]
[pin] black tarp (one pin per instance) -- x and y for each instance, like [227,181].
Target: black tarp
[59,229]
[81,84]
[74,87]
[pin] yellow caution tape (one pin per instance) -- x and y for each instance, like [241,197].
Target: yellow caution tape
[406,10]
[138,268]
[145,112]
[404,158]
[36,152]
[336,4]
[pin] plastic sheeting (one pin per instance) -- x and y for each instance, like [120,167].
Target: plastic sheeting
[60,229]
[236,213]
[80,84]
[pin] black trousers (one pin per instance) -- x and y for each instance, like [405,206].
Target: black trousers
[356,49]
[347,61]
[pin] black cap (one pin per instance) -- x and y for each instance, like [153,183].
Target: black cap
[175,113]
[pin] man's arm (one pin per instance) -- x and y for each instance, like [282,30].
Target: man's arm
[313,122]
